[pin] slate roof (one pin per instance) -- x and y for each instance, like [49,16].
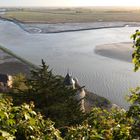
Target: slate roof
[68,80]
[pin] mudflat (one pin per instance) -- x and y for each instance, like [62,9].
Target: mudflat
[121,51]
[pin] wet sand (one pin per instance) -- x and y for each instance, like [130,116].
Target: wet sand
[45,28]
[72,27]
[121,51]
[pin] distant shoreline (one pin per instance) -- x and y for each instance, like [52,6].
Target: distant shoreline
[48,28]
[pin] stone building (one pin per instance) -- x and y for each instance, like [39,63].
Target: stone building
[5,82]
[80,95]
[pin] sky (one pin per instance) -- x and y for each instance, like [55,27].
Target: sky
[46,3]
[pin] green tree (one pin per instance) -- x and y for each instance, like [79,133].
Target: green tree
[23,123]
[103,125]
[136,52]
[51,96]
[134,98]
[134,111]
[19,83]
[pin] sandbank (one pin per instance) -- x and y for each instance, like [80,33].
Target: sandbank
[121,51]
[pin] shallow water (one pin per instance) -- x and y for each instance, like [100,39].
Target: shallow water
[104,76]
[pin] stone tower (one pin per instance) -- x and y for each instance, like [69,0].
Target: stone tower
[73,82]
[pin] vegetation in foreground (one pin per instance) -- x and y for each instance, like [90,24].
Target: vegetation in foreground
[21,119]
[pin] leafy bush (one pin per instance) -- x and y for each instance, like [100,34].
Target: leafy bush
[134,111]
[103,125]
[23,123]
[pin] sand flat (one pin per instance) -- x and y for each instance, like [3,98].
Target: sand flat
[121,51]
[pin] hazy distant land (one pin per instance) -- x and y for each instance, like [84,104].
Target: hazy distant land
[55,20]
[73,15]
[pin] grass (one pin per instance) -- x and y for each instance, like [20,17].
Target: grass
[70,15]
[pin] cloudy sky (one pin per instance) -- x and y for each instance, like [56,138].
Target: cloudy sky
[69,2]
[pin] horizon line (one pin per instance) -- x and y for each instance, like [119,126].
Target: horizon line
[34,6]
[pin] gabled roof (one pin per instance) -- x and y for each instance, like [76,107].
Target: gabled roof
[68,80]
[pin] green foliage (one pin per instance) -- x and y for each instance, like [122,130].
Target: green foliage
[136,52]
[23,123]
[51,97]
[134,111]
[134,98]
[103,125]
[19,83]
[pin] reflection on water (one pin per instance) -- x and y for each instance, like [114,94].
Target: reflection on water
[75,51]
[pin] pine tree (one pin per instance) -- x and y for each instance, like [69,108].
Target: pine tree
[51,97]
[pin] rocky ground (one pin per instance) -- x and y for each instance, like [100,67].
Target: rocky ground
[11,65]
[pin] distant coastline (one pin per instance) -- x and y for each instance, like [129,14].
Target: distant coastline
[45,28]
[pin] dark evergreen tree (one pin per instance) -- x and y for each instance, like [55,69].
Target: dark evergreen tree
[51,96]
